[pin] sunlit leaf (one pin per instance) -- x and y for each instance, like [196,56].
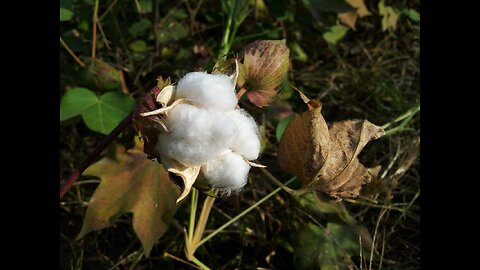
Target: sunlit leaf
[390,16]
[108,112]
[335,34]
[75,101]
[130,183]
[325,157]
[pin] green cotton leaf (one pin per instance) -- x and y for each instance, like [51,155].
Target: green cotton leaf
[145,6]
[318,205]
[75,101]
[170,31]
[412,15]
[298,53]
[281,126]
[335,34]
[108,112]
[130,183]
[65,14]
[140,27]
[138,46]
[317,248]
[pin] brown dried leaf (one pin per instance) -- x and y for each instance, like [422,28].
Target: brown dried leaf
[362,10]
[325,158]
[130,183]
[305,145]
[348,18]
[265,65]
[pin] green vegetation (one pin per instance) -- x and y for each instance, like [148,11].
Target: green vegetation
[360,60]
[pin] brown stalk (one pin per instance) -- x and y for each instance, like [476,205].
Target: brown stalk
[91,157]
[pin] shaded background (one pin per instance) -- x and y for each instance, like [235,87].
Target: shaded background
[370,72]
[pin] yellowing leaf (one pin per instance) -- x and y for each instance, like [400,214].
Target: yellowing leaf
[348,18]
[325,158]
[130,183]
[362,10]
[265,65]
[390,17]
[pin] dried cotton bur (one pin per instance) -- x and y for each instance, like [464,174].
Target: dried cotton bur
[324,157]
[195,129]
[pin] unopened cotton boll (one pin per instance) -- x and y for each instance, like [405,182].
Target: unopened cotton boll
[246,141]
[228,172]
[214,91]
[197,135]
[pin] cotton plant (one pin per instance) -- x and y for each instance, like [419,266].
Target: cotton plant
[195,130]
[204,132]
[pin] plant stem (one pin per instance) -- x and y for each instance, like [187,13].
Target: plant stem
[193,213]
[410,113]
[243,213]
[94,39]
[199,263]
[108,9]
[283,186]
[71,53]
[168,255]
[202,220]
[91,157]
[224,48]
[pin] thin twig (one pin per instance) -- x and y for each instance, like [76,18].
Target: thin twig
[283,186]
[108,9]
[90,158]
[71,53]
[105,40]
[166,254]
[94,38]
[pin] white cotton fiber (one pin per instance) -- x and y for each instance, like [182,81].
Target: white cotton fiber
[197,135]
[246,141]
[228,172]
[214,91]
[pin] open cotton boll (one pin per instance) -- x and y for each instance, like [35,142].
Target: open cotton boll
[246,141]
[228,172]
[214,91]
[197,135]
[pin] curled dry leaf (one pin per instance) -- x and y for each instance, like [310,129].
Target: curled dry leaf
[130,183]
[187,175]
[349,18]
[265,65]
[325,158]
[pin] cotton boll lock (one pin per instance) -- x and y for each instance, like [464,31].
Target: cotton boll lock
[247,140]
[213,91]
[202,130]
[227,173]
[197,135]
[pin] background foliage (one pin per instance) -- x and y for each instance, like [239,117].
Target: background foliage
[358,65]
